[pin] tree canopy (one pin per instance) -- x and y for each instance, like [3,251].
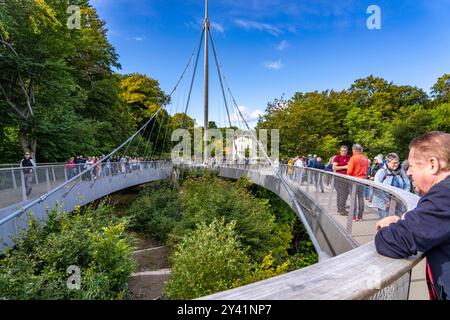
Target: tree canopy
[379,115]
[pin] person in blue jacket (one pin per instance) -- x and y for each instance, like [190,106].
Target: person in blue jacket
[393,175]
[426,229]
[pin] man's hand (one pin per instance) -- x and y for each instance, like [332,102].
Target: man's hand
[386,222]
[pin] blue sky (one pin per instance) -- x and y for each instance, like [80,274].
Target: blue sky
[268,48]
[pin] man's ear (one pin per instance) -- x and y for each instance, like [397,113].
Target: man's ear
[434,165]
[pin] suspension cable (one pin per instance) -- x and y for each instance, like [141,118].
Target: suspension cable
[288,188]
[195,71]
[220,75]
[76,178]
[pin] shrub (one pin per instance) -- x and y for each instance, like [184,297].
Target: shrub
[208,197]
[208,260]
[93,240]
[265,270]
[156,211]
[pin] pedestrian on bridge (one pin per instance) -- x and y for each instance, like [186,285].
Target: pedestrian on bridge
[358,167]
[426,229]
[340,165]
[392,174]
[318,176]
[71,168]
[27,163]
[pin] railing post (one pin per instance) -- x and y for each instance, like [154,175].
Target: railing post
[24,189]
[49,188]
[36,175]
[53,172]
[330,198]
[308,177]
[352,208]
[393,207]
[13,178]
[15,225]
[316,184]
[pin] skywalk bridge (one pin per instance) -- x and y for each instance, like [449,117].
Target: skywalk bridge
[348,268]
[353,271]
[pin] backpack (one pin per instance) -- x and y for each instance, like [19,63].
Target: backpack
[391,174]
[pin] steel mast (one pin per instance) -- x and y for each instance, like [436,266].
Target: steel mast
[206,27]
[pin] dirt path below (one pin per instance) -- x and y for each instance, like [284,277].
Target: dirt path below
[152,257]
[152,270]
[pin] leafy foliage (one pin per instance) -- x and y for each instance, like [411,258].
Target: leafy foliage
[378,114]
[206,198]
[156,211]
[58,88]
[93,240]
[213,224]
[208,260]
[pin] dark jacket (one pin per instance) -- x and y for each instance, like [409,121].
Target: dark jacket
[320,165]
[426,229]
[27,163]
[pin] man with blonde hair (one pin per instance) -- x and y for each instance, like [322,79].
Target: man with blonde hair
[425,229]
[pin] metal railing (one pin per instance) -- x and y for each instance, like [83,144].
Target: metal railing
[19,185]
[356,205]
[342,197]
[15,165]
[67,186]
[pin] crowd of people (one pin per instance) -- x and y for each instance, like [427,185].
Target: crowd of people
[101,166]
[388,170]
[425,229]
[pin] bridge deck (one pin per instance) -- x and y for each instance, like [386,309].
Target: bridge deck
[362,232]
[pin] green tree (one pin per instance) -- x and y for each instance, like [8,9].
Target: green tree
[441,90]
[143,96]
[208,260]
[206,198]
[409,123]
[93,240]
[58,88]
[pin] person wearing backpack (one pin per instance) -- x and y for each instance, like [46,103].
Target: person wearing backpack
[27,164]
[425,229]
[393,175]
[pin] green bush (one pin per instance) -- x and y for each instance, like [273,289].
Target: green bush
[208,260]
[156,211]
[207,198]
[93,240]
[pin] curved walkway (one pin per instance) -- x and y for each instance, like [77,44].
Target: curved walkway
[357,271]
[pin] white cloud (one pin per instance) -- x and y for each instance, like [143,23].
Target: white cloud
[273,65]
[139,39]
[253,25]
[248,115]
[283,45]
[218,27]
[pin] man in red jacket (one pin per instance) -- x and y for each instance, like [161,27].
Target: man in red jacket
[340,164]
[357,167]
